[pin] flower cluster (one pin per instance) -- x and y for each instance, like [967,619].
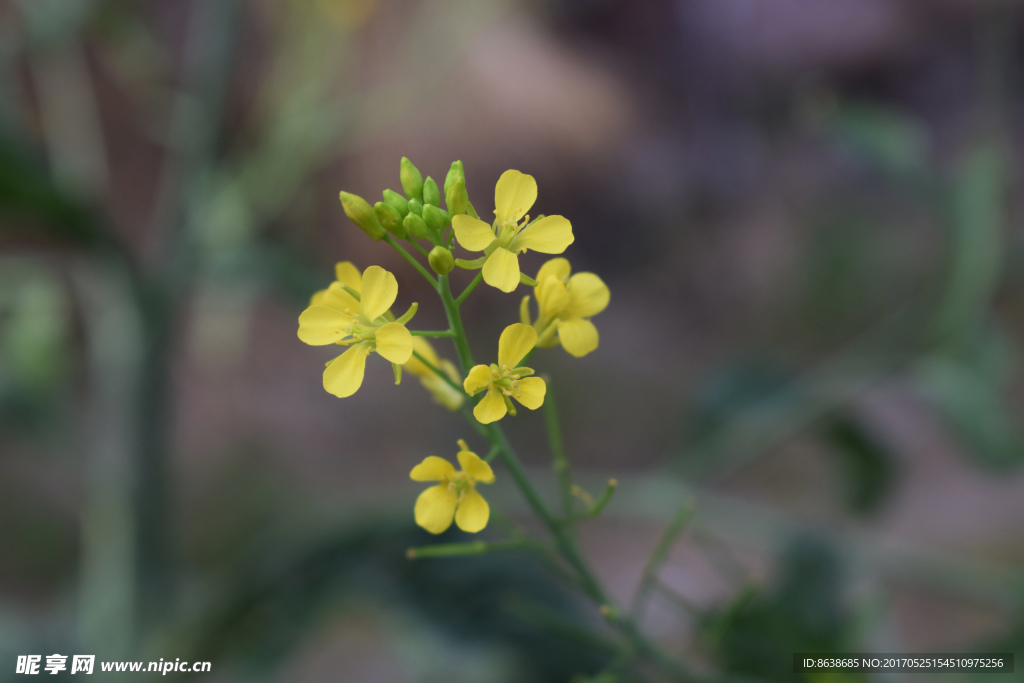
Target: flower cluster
[354,312]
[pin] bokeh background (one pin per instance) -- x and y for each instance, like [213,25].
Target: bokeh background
[809,216]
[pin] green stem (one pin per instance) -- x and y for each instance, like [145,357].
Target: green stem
[461,549]
[434,369]
[432,333]
[419,248]
[469,288]
[451,309]
[409,257]
[560,461]
[658,557]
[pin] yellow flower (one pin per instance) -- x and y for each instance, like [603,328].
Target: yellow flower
[566,305]
[443,392]
[455,496]
[353,312]
[505,380]
[512,233]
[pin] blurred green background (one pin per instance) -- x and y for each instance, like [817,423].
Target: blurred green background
[809,215]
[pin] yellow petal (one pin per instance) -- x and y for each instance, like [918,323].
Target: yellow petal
[344,376]
[444,393]
[432,468]
[552,297]
[414,364]
[531,392]
[348,274]
[479,378]
[524,310]
[578,336]
[337,298]
[557,268]
[472,233]
[473,465]
[394,342]
[549,235]
[491,408]
[320,325]
[380,289]
[318,298]
[435,509]
[514,343]
[501,270]
[588,295]
[473,512]
[514,194]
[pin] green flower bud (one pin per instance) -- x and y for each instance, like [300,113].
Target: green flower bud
[362,215]
[435,218]
[415,226]
[416,207]
[431,195]
[390,219]
[396,202]
[454,173]
[441,260]
[412,180]
[456,198]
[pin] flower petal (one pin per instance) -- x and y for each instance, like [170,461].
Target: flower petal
[435,509]
[394,342]
[380,289]
[472,233]
[531,392]
[473,512]
[514,343]
[432,468]
[479,378]
[552,297]
[557,268]
[514,194]
[491,408]
[344,375]
[578,336]
[473,465]
[589,295]
[320,325]
[524,310]
[549,235]
[337,298]
[501,270]
[348,274]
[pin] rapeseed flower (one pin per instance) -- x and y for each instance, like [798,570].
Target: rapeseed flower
[511,233]
[565,305]
[455,495]
[506,379]
[354,312]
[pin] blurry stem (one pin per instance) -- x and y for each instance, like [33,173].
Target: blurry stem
[658,557]
[409,257]
[419,248]
[560,461]
[434,369]
[195,127]
[461,549]
[675,598]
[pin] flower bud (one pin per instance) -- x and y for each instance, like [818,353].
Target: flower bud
[415,226]
[431,195]
[416,207]
[454,173]
[362,215]
[456,198]
[435,218]
[412,180]
[396,202]
[390,219]
[441,260]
